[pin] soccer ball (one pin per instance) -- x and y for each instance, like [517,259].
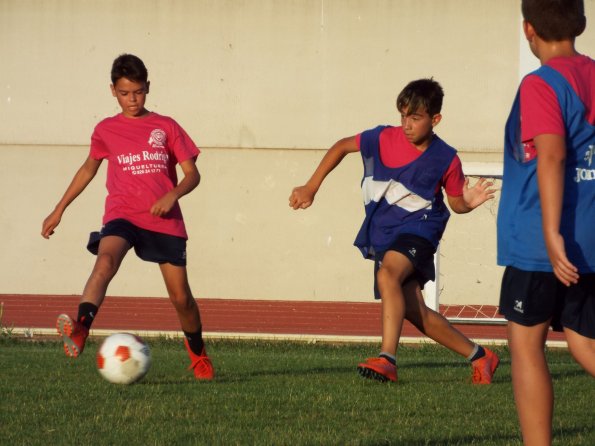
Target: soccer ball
[123,358]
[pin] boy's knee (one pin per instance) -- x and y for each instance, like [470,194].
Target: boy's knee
[387,277]
[183,302]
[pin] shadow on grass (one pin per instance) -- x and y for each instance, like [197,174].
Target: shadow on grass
[568,434]
[460,440]
[246,376]
[572,432]
[257,374]
[227,377]
[574,373]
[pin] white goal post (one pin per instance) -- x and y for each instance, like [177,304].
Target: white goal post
[432,289]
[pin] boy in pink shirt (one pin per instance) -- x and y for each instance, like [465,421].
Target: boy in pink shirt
[141,209]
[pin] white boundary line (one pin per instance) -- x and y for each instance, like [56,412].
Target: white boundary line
[310,338]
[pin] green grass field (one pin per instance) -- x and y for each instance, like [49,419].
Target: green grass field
[277,393]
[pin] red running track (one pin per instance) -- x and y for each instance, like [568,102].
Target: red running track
[241,317]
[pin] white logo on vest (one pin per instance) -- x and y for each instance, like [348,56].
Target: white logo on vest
[586,174]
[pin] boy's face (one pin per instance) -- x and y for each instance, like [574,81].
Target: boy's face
[131,96]
[418,126]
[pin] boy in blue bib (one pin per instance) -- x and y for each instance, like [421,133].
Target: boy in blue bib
[547,210]
[406,168]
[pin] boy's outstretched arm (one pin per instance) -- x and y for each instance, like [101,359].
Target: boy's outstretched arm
[78,184]
[188,184]
[551,161]
[472,196]
[302,196]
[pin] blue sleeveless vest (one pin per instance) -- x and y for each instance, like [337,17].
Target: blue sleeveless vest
[401,200]
[520,235]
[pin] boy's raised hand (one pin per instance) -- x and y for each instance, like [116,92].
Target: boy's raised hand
[479,193]
[301,197]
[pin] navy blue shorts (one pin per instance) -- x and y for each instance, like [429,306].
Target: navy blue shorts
[148,245]
[420,253]
[532,297]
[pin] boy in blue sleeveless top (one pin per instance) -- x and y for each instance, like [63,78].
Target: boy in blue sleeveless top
[547,210]
[405,170]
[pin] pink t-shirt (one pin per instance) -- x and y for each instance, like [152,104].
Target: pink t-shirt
[540,110]
[397,151]
[142,155]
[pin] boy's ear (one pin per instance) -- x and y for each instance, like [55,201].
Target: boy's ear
[111,86]
[436,119]
[148,85]
[529,31]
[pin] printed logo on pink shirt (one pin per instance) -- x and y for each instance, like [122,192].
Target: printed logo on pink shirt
[158,139]
[150,161]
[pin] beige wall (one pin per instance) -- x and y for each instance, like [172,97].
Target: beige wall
[254,83]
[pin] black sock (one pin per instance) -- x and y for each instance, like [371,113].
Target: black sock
[195,341]
[480,353]
[87,313]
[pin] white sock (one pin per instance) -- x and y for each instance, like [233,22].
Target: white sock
[475,349]
[393,358]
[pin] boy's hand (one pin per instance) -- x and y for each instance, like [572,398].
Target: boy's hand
[301,197]
[478,194]
[50,223]
[565,271]
[163,205]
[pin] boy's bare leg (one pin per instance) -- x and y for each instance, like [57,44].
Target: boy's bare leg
[180,295]
[392,273]
[111,252]
[176,282]
[531,382]
[582,349]
[433,324]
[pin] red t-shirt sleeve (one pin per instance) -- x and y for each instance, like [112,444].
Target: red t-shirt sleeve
[358,140]
[183,146]
[454,179]
[540,110]
[98,150]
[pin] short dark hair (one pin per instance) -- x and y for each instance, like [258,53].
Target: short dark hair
[130,67]
[422,93]
[555,20]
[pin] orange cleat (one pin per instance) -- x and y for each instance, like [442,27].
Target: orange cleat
[74,335]
[379,369]
[485,367]
[200,364]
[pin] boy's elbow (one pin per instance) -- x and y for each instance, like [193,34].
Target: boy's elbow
[458,205]
[464,210]
[346,145]
[458,209]
[192,176]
